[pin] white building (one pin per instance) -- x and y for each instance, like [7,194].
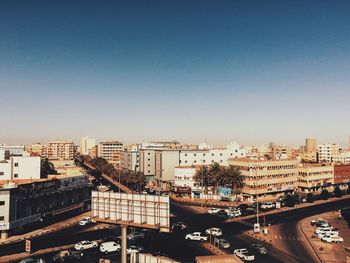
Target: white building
[343,157]
[184,177]
[205,157]
[86,144]
[326,152]
[18,167]
[11,150]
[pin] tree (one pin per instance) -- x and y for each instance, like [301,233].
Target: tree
[337,192]
[214,170]
[46,168]
[203,176]
[310,197]
[230,176]
[289,200]
[324,194]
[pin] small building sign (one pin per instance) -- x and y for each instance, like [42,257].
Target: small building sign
[28,246]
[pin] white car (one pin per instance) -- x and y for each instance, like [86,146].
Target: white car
[213,211]
[110,246]
[330,239]
[214,231]
[134,249]
[229,209]
[268,205]
[331,233]
[324,229]
[86,244]
[234,213]
[244,254]
[196,236]
[85,221]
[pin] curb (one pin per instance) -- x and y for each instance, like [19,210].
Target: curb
[309,242]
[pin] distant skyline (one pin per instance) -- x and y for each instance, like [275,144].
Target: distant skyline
[247,71]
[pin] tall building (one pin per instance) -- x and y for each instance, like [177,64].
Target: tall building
[60,150]
[311,145]
[111,151]
[267,177]
[86,145]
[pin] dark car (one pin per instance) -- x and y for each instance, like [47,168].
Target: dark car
[248,211]
[179,226]
[259,248]
[243,206]
[67,255]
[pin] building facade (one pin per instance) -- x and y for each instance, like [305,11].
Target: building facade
[130,160]
[165,163]
[111,151]
[86,144]
[19,167]
[60,150]
[27,202]
[310,145]
[326,152]
[267,177]
[37,149]
[341,173]
[315,178]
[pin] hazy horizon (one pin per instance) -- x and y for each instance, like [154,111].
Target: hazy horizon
[247,71]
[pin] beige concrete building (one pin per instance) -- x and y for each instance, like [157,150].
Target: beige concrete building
[326,152]
[111,151]
[147,162]
[60,150]
[86,144]
[165,163]
[309,157]
[314,178]
[310,145]
[270,178]
[37,149]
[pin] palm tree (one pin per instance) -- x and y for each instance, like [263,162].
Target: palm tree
[203,176]
[214,170]
[230,176]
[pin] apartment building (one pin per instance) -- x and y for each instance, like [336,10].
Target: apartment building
[342,157]
[20,167]
[326,152]
[165,163]
[270,178]
[60,150]
[310,145]
[86,145]
[37,149]
[111,151]
[185,177]
[147,163]
[313,178]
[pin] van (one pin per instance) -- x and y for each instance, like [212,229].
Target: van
[108,247]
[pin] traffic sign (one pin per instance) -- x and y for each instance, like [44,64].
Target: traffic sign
[28,246]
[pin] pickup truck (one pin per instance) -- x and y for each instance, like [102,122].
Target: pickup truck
[330,239]
[244,254]
[67,255]
[196,236]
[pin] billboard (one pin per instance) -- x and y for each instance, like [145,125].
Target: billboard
[138,210]
[225,193]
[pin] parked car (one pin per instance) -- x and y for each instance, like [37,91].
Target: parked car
[330,239]
[242,207]
[32,260]
[196,236]
[214,231]
[85,244]
[223,243]
[85,221]
[135,235]
[244,254]
[268,205]
[179,226]
[234,213]
[318,220]
[324,229]
[259,248]
[331,233]
[248,211]
[213,211]
[108,247]
[67,255]
[229,209]
[134,249]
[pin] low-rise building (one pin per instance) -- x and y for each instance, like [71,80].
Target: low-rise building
[6,151]
[313,178]
[341,173]
[28,201]
[20,167]
[270,178]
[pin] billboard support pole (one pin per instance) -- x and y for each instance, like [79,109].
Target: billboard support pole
[124,242]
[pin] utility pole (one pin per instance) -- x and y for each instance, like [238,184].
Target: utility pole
[124,243]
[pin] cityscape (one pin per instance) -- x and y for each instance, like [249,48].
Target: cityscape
[175,131]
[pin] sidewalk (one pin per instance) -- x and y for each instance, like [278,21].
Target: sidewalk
[327,252]
[46,230]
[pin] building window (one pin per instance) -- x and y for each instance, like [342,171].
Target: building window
[148,171]
[194,154]
[149,165]
[16,164]
[2,218]
[2,202]
[1,173]
[15,175]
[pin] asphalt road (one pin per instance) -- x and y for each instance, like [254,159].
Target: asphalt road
[175,246]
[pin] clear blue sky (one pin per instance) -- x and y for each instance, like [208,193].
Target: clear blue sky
[251,71]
